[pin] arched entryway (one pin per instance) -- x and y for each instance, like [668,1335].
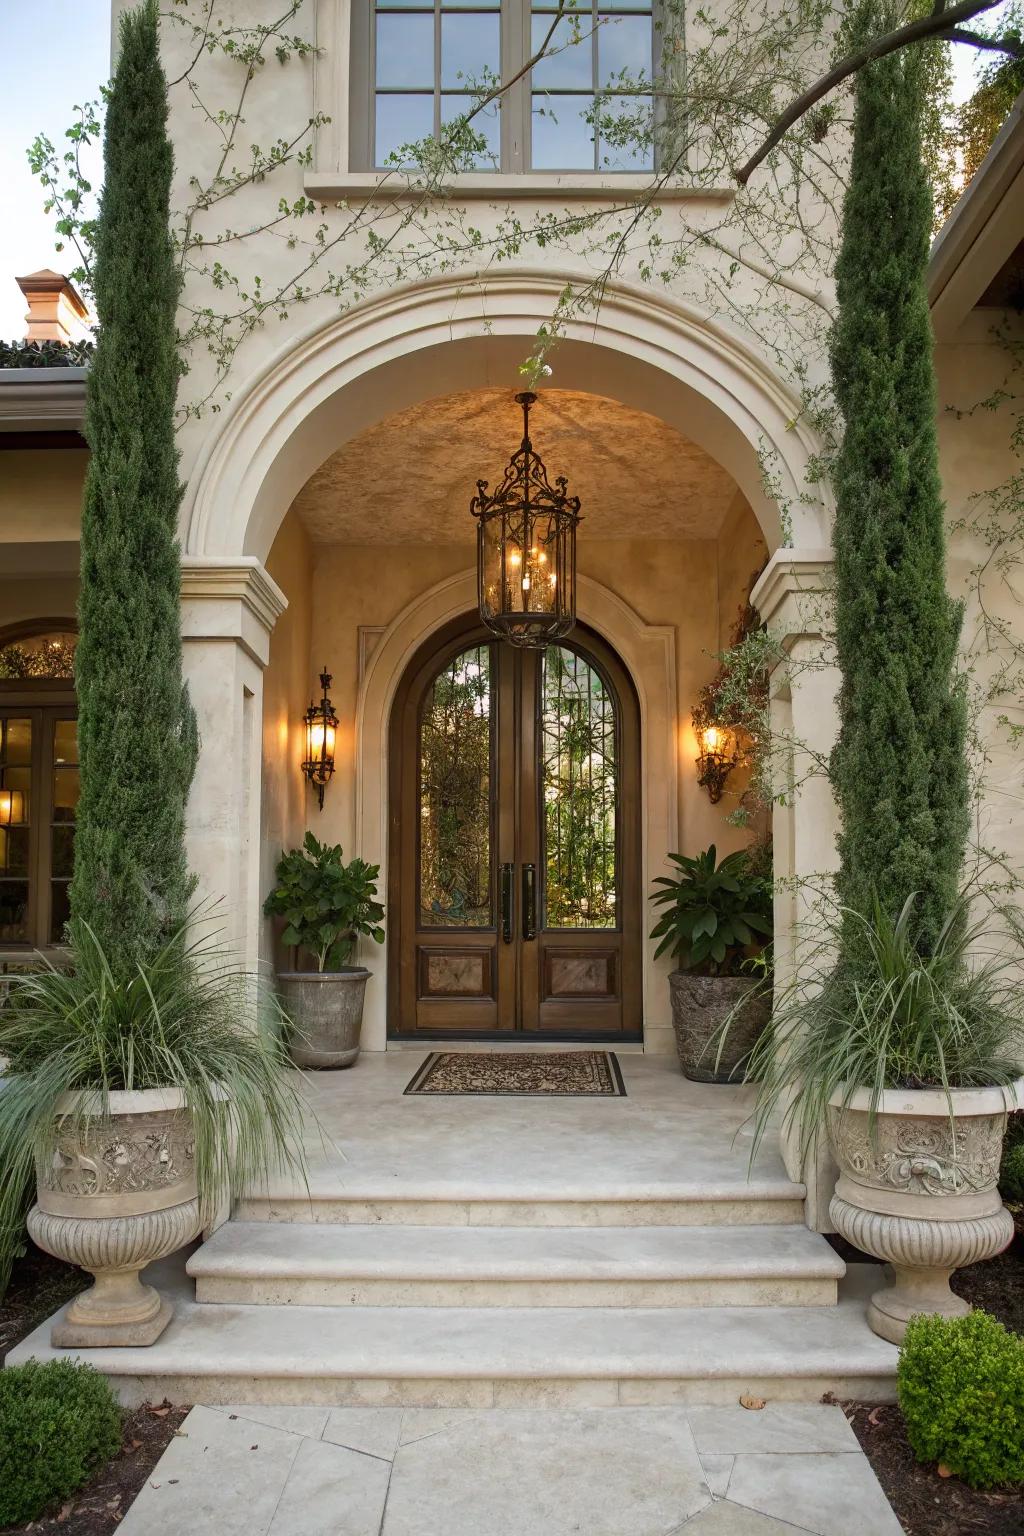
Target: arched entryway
[514,866]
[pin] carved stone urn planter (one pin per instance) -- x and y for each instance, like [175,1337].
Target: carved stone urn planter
[700,1006]
[921,1192]
[118,1193]
[326,1013]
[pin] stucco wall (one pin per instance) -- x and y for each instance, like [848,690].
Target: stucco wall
[287,684]
[41,494]
[36,597]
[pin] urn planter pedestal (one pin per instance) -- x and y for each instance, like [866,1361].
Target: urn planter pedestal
[326,1011]
[118,1193]
[700,1005]
[920,1191]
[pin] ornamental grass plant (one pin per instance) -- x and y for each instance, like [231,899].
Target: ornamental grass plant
[186,1020]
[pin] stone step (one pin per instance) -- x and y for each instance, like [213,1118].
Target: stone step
[498,1357]
[270,1264]
[729,1203]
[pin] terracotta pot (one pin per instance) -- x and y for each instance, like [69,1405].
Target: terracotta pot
[700,1005]
[118,1193]
[326,1012]
[921,1192]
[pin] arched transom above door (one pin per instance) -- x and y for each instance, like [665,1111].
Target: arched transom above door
[417,469]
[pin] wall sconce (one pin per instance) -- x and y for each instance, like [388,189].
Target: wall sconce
[716,757]
[12,807]
[321,726]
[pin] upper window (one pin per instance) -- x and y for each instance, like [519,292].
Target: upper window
[574,111]
[38,788]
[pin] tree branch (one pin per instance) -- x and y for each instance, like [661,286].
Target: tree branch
[926,27]
[1007,45]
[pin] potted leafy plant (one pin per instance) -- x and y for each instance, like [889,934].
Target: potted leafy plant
[326,904]
[134,1104]
[717,919]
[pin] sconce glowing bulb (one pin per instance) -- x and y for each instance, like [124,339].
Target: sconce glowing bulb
[321,731]
[12,807]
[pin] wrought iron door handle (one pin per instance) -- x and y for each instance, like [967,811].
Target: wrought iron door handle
[507,899]
[529,901]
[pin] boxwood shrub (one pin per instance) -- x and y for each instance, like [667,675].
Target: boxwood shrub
[58,1422]
[961,1388]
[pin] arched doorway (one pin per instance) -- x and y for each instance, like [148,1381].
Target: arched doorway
[514,873]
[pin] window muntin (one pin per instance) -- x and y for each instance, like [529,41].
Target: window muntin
[17,739]
[426,55]
[426,60]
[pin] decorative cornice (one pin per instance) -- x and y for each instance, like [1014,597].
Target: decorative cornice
[222,596]
[42,399]
[507,187]
[790,595]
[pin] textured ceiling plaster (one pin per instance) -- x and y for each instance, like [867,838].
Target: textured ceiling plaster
[409,479]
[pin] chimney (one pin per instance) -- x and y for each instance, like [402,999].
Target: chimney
[55,308]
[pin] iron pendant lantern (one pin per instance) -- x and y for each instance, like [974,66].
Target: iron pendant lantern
[526,549]
[321,729]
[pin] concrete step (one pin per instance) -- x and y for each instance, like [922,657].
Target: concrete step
[498,1357]
[727,1203]
[271,1264]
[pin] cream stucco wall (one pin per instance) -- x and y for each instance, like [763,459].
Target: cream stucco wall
[40,494]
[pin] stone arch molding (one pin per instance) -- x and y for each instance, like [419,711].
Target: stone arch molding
[648,653]
[426,339]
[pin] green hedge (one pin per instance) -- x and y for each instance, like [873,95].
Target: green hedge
[961,1389]
[1011,1173]
[58,1422]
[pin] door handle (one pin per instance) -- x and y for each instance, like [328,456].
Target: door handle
[529,901]
[507,900]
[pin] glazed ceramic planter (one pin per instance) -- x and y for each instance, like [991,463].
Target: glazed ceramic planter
[326,1013]
[921,1192]
[118,1193]
[700,1006]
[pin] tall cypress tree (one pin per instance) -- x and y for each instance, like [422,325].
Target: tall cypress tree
[899,767]
[137,738]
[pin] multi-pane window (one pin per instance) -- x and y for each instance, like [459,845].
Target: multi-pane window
[38,790]
[431,59]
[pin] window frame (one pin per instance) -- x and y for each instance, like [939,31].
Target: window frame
[44,701]
[515,116]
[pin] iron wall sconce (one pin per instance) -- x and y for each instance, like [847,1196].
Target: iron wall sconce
[716,758]
[321,729]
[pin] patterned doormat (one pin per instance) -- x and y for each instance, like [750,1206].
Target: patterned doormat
[526,1074]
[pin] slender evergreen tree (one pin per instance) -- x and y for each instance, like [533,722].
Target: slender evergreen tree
[137,738]
[899,768]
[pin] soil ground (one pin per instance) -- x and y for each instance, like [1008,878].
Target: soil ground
[39,1285]
[925,1503]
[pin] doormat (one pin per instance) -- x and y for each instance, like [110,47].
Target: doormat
[524,1074]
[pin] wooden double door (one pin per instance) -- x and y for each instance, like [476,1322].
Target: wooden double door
[514,881]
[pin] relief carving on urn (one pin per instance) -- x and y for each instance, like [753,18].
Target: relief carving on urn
[921,1156]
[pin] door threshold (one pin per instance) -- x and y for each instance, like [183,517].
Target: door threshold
[490,1042]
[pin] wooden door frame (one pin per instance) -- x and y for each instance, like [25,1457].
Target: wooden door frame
[452,637]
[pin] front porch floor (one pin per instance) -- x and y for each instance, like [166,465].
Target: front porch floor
[486,1253]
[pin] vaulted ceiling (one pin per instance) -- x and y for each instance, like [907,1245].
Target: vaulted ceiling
[409,479]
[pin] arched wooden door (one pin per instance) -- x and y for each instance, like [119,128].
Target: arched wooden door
[514,882]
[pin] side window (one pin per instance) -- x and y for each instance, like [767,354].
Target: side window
[38,787]
[418,64]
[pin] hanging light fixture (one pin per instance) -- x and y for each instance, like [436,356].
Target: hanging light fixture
[321,727]
[717,755]
[526,549]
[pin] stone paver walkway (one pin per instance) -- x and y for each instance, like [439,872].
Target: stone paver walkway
[716,1471]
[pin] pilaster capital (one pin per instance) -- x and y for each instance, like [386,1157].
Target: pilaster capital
[230,597]
[793,594]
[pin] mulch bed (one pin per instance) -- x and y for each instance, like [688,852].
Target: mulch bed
[39,1285]
[925,1503]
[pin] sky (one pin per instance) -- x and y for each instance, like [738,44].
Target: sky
[54,53]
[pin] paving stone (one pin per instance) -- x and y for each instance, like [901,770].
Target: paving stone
[331,1491]
[829,1494]
[725,1519]
[552,1473]
[221,1475]
[295,1421]
[418,1423]
[777,1427]
[374,1431]
[717,1471]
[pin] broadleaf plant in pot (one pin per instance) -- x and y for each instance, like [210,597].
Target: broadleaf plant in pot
[326,905]
[717,920]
